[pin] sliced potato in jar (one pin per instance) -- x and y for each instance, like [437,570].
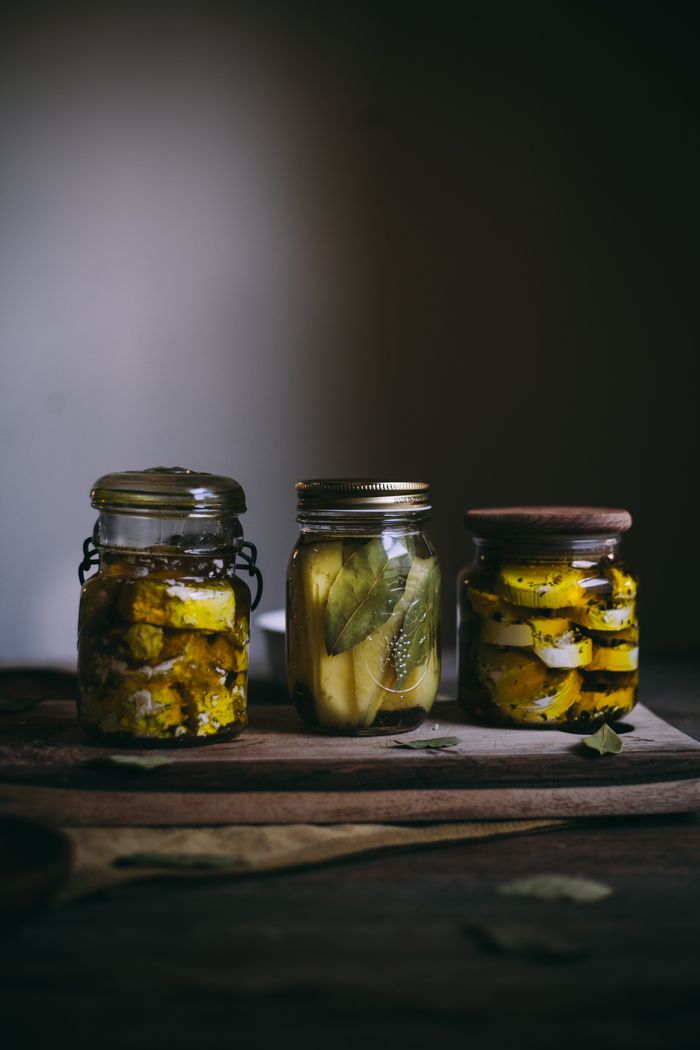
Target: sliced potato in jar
[544,586]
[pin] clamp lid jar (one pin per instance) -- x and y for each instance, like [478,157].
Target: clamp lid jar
[363,606]
[548,633]
[164,623]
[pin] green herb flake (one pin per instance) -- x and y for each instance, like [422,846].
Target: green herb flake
[556,887]
[431,743]
[605,741]
[145,762]
[186,861]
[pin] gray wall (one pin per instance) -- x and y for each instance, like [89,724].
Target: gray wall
[283,240]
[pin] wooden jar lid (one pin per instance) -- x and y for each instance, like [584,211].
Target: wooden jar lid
[587,521]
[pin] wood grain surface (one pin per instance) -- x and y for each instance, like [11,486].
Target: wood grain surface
[277,772]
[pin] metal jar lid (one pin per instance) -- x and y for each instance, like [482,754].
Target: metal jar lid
[501,522]
[362,494]
[165,489]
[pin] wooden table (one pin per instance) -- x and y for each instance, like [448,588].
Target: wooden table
[374,951]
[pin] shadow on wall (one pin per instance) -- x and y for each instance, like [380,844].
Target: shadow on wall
[279,244]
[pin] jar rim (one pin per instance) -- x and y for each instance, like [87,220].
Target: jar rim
[363,494]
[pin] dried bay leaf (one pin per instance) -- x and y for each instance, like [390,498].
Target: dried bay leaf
[524,939]
[193,861]
[556,887]
[364,594]
[605,741]
[430,744]
[145,762]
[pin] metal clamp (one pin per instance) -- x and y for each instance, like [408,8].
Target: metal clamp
[91,558]
[249,560]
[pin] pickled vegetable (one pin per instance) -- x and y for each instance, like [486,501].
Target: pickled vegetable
[163,651]
[549,643]
[363,632]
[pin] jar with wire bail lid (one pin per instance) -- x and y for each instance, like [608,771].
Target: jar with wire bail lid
[547,618]
[363,607]
[164,623]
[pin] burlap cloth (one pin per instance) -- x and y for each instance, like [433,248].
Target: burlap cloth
[107,858]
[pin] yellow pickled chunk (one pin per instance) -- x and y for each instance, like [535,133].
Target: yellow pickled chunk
[606,614]
[623,656]
[550,704]
[482,602]
[623,585]
[602,693]
[137,706]
[540,586]
[144,641]
[560,645]
[627,634]
[333,684]
[204,607]
[419,689]
[504,630]
[224,653]
[510,674]
[219,709]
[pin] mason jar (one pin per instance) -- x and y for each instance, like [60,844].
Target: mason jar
[363,607]
[164,623]
[547,618]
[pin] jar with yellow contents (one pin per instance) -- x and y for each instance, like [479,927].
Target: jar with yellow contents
[548,634]
[164,623]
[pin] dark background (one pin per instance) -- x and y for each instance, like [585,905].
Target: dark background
[456,241]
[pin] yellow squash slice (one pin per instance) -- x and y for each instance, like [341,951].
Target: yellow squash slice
[623,656]
[509,674]
[501,629]
[550,704]
[540,586]
[558,644]
[604,614]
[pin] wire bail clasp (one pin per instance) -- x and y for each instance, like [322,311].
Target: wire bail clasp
[249,561]
[91,559]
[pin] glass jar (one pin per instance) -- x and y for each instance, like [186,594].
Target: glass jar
[163,625]
[363,607]
[547,618]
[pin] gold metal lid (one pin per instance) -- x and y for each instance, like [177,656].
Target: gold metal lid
[362,494]
[174,489]
[583,521]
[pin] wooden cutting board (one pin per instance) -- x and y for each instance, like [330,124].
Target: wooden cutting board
[277,772]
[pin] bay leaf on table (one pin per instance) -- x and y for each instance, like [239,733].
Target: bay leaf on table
[550,886]
[412,646]
[435,743]
[145,762]
[605,741]
[364,593]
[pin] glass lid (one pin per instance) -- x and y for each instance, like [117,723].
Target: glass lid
[175,489]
